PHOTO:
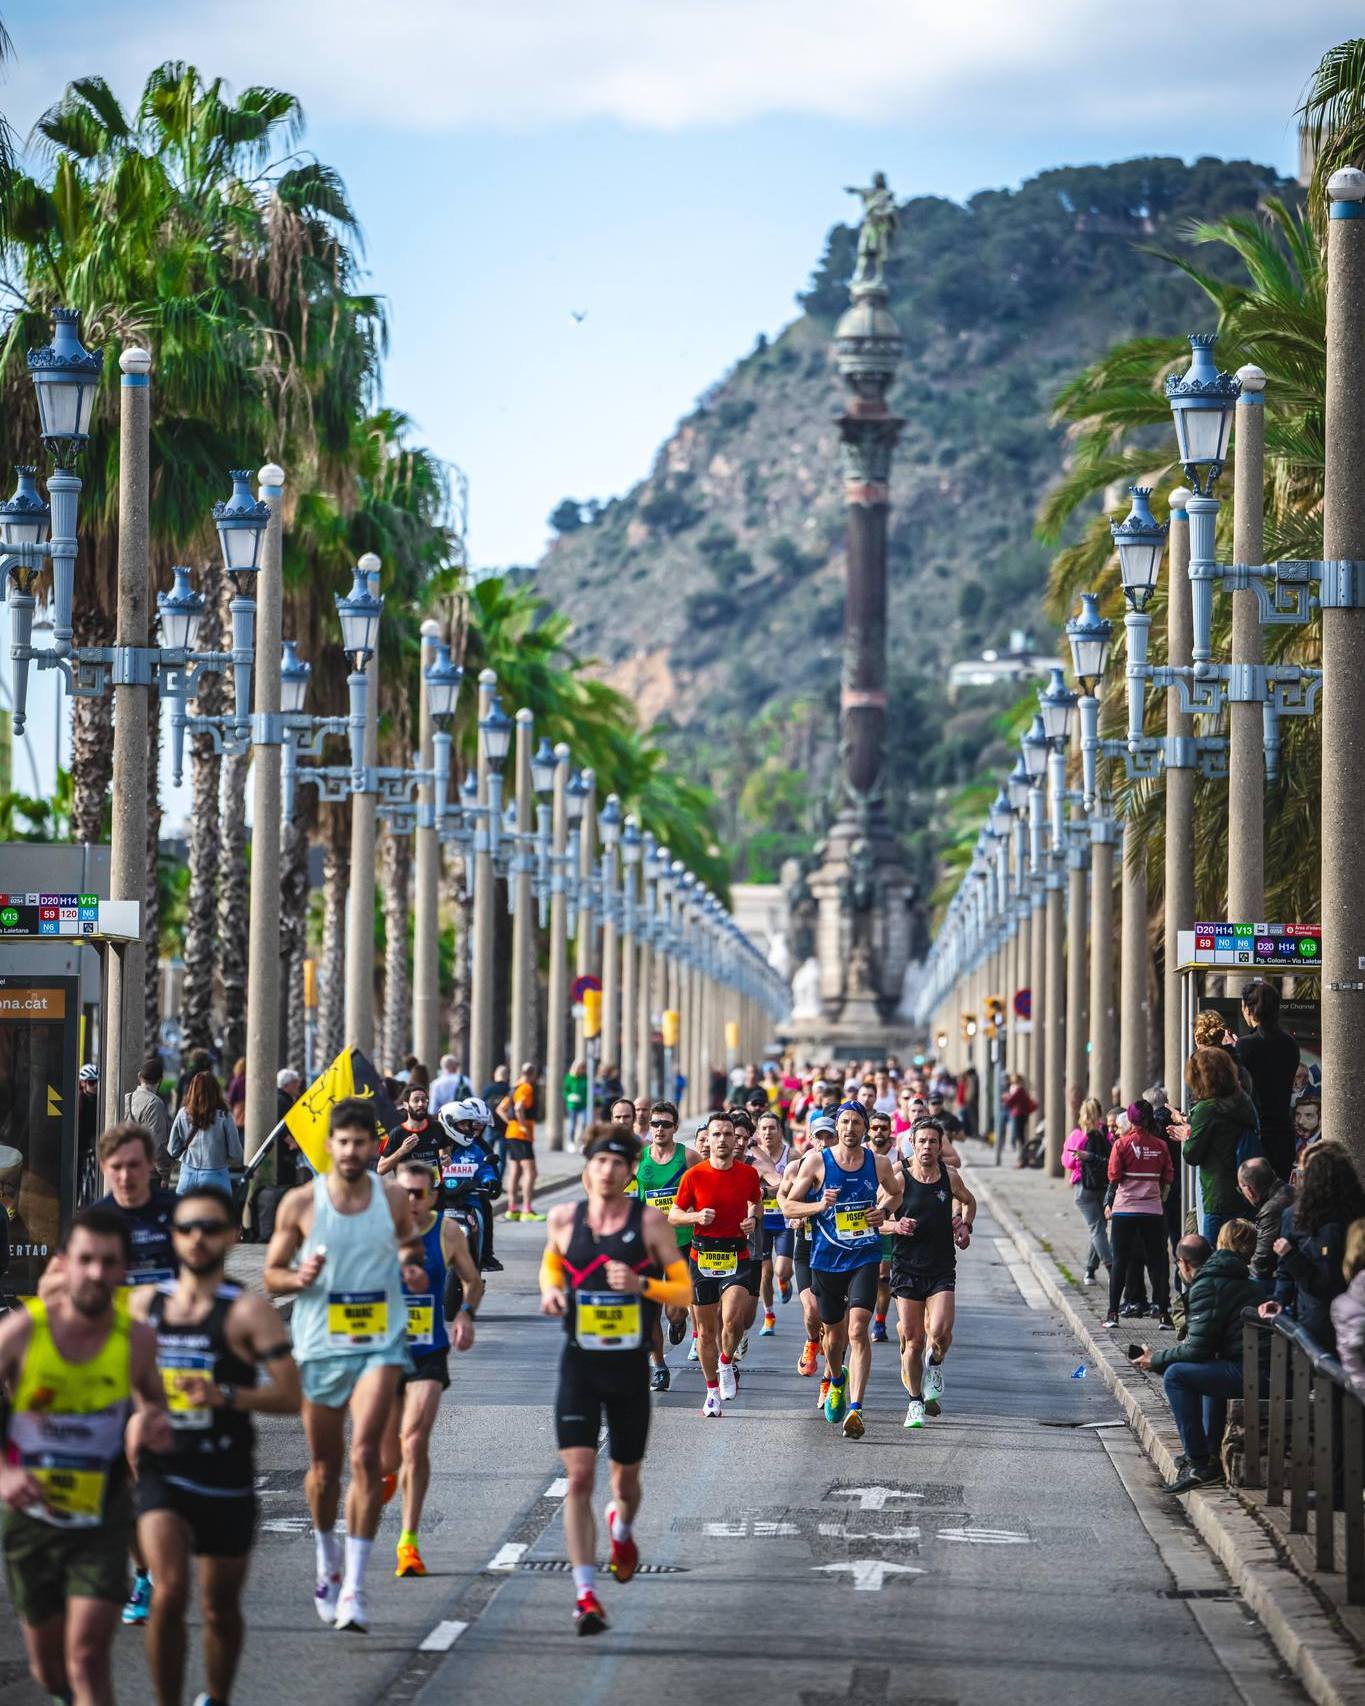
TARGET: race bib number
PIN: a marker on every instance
(633, 1188)
(178, 1368)
(662, 1198)
(421, 1319)
(770, 1206)
(850, 1221)
(356, 1318)
(148, 1276)
(73, 1491)
(607, 1321)
(717, 1264)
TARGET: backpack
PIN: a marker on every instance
(1094, 1163)
(1249, 1145)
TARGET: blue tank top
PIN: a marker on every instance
(355, 1307)
(842, 1239)
(426, 1308)
(773, 1218)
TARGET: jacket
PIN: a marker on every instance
(1079, 1143)
(1309, 1276)
(1218, 1294)
(147, 1108)
(208, 1150)
(1216, 1125)
(1272, 1058)
(575, 1091)
(1269, 1218)
(1348, 1321)
(1139, 1172)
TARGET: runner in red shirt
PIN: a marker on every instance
(720, 1200)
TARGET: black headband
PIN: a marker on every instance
(618, 1146)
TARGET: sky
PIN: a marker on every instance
(670, 168)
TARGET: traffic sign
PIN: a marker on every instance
(581, 985)
(1023, 1003)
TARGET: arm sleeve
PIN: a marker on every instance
(674, 1290)
(551, 1269)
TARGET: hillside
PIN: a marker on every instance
(712, 592)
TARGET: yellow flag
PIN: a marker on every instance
(306, 1121)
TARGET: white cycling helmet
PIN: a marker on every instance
(470, 1110)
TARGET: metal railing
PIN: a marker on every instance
(1302, 1415)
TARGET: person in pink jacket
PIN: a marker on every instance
(1141, 1174)
(1085, 1155)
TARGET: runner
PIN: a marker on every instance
(779, 1241)
(407, 1439)
(928, 1234)
(656, 1180)
(719, 1199)
(821, 1132)
(417, 1139)
(349, 1229)
(747, 1152)
(199, 1497)
(856, 1187)
(600, 1271)
(72, 1364)
(879, 1136)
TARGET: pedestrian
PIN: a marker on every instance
(87, 1107)
(575, 1090)
(207, 1136)
(1348, 1310)
(1271, 1056)
(1269, 1196)
(1223, 1132)
(1307, 1122)
(146, 1106)
(1085, 1155)
(236, 1095)
(1312, 1246)
(450, 1085)
(1140, 1176)
(1018, 1106)
(288, 1083)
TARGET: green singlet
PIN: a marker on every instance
(658, 1185)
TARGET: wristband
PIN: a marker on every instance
(467, 1309)
(229, 1394)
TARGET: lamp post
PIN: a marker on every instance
(426, 958)
(632, 849)
(495, 739)
(1246, 684)
(586, 849)
(1021, 1040)
(1057, 706)
(360, 900)
(557, 1004)
(521, 884)
(1180, 759)
(609, 828)
(1089, 636)
(650, 965)
(1033, 753)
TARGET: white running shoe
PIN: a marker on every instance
(743, 1350)
(352, 1612)
(914, 1413)
(729, 1386)
(693, 1354)
(933, 1388)
(325, 1596)
(712, 1405)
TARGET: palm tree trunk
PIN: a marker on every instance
(92, 738)
(151, 918)
(462, 913)
(395, 888)
(336, 880)
(233, 900)
(293, 938)
(206, 771)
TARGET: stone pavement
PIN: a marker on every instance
(1321, 1638)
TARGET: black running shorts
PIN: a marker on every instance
(918, 1285)
(219, 1527)
(708, 1288)
(592, 1383)
(850, 1288)
(429, 1365)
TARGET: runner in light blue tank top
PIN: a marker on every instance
(354, 1317)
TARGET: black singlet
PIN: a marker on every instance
(599, 1319)
(213, 1447)
(931, 1207)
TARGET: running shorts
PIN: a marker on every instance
(518, 1149)
(801, 1264)
(919, 1284)
(220, 1527)
(778, 1241)
(330, 1380)
(46, 1565)
(592, 1383)
(708, 1288)
(429, 1365)
(836, 1292)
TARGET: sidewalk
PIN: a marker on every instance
(1320, 1638)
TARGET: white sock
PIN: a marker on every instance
(357, 1561)
(620, 1529)
(328, 1549)
(584, 1578)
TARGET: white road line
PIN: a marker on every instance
(507, 1557)
(443, 1637)
(557, 1489)
(1029, 1289)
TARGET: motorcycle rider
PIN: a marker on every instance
(469, 1172)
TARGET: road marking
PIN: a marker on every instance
(507, 1557)
(1029, 1289)
(443, 1637)
(872, 1498)
(869, 1573)
(558, 1489)
(986, 1536)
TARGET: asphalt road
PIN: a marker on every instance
(1013, 1550)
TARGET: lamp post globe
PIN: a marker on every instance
(1089, 635)
(1140, 540)
(180, 611)
(65, 378)
(1203, 402)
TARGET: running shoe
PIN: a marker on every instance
(837, 1403)
(325, 1596)
(352, 1612)
(676, 1331)
(853, 1425)
(659, 1378)
(768, 1328)
(512, 1214)
(625, 1554)
(1167, 1322)
(914, 1413)
(712, 1405)
(784, 1290)
(693, 1354)
(530, 1214)
(743, 1350)
(933, 1389)
(879, 1332)
(729, 1385)
(388, 1486)
(805, 1363)
(824, 1393)
(1087, 1279)
(1111, 1320)
(409, 1562)
(139, 1603)
(588, 1615)
(491, 1265)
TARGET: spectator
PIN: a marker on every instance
(199, 1061)
(1085, 1155)
(1312, 1246)
(575, 1099)
(87, 1107)
(1018, 1106)
(1348, 1310)
(1204, 1369)
(1140, 1175)
(236, 1096)
(1170, 1122)
(1211, 1031)
(1222, 1117)
(519, 1110)
(1263, 1188)
(207, 1136)
(146, 1107)
(451, 1085)
(288, 1083)
(1271, 1056)
(494, 1095)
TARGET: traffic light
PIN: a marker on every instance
(995, 1015)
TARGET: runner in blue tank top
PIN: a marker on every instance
(857, 1189)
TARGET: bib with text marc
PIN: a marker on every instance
(356, 1318)
(421, 1319)
(177, 1369)
(607, 1321)
(718, 1264)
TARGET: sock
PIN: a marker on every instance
(328, 1549)
(724, 1359)
(584, 1578)
(881, 1318)
(408, 1537)
(619, 1530)
(855, 1403)
(713, 1386)
(357, 1561)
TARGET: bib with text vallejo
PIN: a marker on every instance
(718, 1264)
(356, 1318)
(607, 1321)
(177, 1369)
(421, 1319)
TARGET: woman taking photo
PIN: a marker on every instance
(1140, 1175)
(206, 1136)
(1085, 1155)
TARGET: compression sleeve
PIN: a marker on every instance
(551, 1269)
(674, 1290)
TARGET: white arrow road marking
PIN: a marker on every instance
(765, 1530)
(872, 1498)
(560, 1489)
(443, 1637)
(507, 1557)
(726, 1530)
(869, 1573)
(986, 1536)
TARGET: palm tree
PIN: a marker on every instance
(1333, 117)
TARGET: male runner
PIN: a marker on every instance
(417, 1139)
(656, 1181)
(779, 1241)
(821, 1131)
(857, 1187)
(407, 1437)
(349, 1228)
(746, 1152)
(928, 1234)
(880, 1139)
(600, 1271)
(719, 1200)
(72, 1364)
(640, 1125)
(199, 1497)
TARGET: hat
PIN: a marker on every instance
(89, 1072)
(822, 1122)
(1139, 1113)
(852, 1108)
(934, 1096)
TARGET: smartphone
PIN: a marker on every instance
(1134, 1352)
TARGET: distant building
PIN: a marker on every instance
(1019, 663)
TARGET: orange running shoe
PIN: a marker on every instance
(625, 1554)
(409, 1562)
(388, 1487)
(824, 1392)
(588, 1615)
(806, 1361)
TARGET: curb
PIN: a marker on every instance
(1323, 1659)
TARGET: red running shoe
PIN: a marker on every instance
(388, 1486)
(625, 1554)
(588, 1615)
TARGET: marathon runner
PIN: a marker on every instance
(821, 1133)
(771, 1153)
(407, 1439)
(857, 1187)
(719, 1199)
(656, 1181)
(880, 1138)
(928, 1233)
(72, 1365)
(417, 1139)
(601, 1271)
(199, 1497)
(349, 1229)
(747, 1152)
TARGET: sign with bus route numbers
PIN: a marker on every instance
(33, 914)
(1274, 947)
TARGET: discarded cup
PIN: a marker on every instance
(1079, 1372)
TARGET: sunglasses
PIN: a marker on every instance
(186, 1228)
(661, 1125)
(416, 1190)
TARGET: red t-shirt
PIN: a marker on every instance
(729, 1191)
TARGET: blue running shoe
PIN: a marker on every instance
(837, 1403)
(139, 1605)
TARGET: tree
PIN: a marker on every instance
(567, 517)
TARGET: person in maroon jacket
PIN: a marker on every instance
(1141, 1175)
